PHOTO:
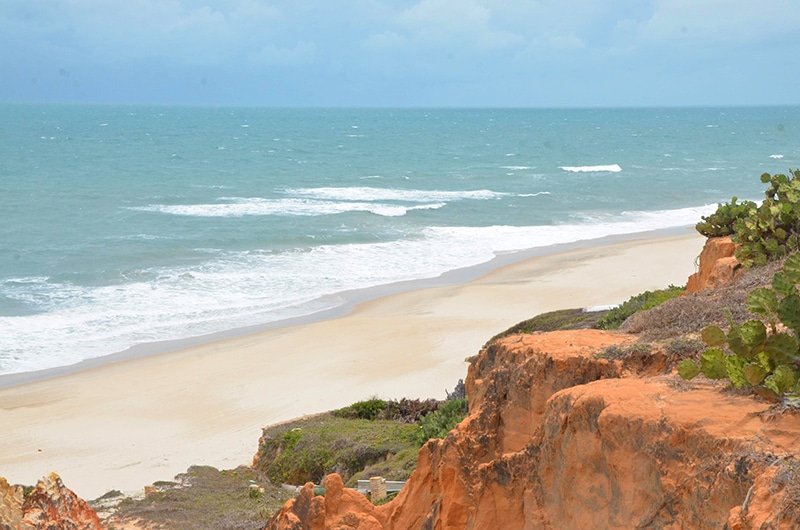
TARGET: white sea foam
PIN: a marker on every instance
(239, 207)
(516, 168)
(776, 156)
(533, 194)
(390, 194)
(613, 168)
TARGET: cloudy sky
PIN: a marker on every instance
(400, 53)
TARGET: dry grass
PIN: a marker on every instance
(788, 480)
(692, 312)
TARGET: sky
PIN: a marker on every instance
(402, 53)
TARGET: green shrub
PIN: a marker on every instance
(405, 410)
(646, 300)
(310, 448)
(440, 422)
(362, 410)
(764, 232)
(721, 222)
(755, 354)
(773, 230)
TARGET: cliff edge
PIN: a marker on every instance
(560, 437)
(50, 506)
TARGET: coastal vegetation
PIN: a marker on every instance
(764, 232)
(614, 318)
(564, 319)
(374, 437)
(753, 354)
(762, 353)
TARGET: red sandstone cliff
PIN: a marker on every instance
(50, 506)
(558, 439)
(717, 265)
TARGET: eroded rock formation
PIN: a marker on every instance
(10, 505)
(50, 506)
(558, 438)
(717, 265)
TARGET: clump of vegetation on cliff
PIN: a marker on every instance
(765, 232)
(757, 353)
(566, 319)
(307, 450)
(404, 410)
(374, 437)
(440, 422)
(641, 302)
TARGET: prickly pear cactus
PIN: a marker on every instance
(763, 354)
(720, 223)
(772, 230)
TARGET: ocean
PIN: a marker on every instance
(128, 225)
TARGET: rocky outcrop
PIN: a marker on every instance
(50, 506)
(717, 265)
(340, 508)
(559, 437)
(10, 505)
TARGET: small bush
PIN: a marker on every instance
(646, 300)
(438, 423)
(721, 222)
(760, 354)
(362, 410)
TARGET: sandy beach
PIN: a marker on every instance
(127, 423)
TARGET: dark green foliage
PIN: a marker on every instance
(721, 222)
(309, 449)
(363, 410)
(773, 229)
(405, 410)
(646, 300)
(764, 232)
(437, 424)
(749, 354)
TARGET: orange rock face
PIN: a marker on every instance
(559, 439)
(50, 506)
(717, 265)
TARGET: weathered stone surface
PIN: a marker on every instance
(50, 506)
(558, 439)
(717, 265)
(340, 508)
(10, 505)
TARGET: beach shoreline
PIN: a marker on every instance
(348, 300)
(144, 415)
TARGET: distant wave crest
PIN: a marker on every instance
(365, 193)
(613, 168)
(287, 207)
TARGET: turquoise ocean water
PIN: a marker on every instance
(127, 225)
